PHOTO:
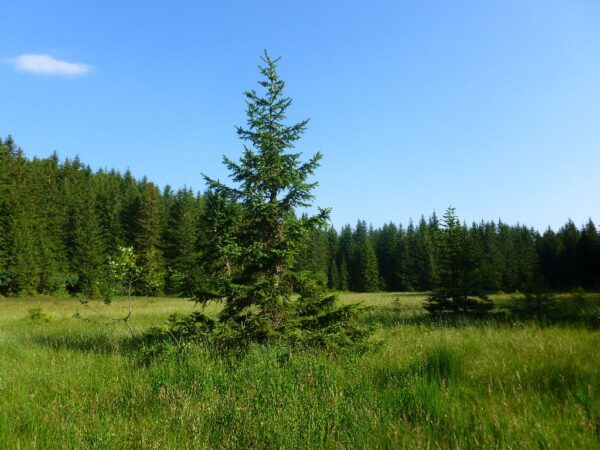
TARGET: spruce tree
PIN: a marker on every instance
(386, 252)
(567, 260)
(216, 245)
(412, 251)
(45, 188)
(588, 253)
(425, 263)
(183, 224)
(491, 261)
(24, 256)
(344, 276)
(401, 261)
(81, 229)
(262, 249)
(333, 274)
(366, 272)
(345, 258)
(109, 210)
(459, 285)
(509, 268)
(549, 248)
(527, 261)
(147, 242)
(130, 197)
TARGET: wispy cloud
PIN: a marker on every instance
(48, 65)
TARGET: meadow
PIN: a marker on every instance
(444, 383)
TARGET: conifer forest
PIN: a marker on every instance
(61, 222)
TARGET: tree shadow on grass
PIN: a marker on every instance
(566, 313)
(394, 317)
(564, 316)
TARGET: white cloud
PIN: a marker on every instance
(48, 65)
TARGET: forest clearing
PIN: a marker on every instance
(406, 257)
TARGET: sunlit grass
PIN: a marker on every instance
(70, 383)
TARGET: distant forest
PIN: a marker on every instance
(60, 222)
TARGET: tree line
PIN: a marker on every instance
(61, 223)
(506, 257)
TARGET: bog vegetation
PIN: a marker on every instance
(462, 382)
(91, 355)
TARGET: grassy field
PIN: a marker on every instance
(70, 383)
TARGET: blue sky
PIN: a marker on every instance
(493, 107)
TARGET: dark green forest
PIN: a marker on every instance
(61, 222)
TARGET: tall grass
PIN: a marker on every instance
(68, 383)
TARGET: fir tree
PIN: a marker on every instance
(548, 248)
(411, 277)
(109, 210)
(491, 258)
(24, 257)
(425, 263)
(344, 274)
(333, 274)
(345, 258)
(182, 255)
(567, 260)
(588, 254)
(81, 229)
(366, 272)
(271, 183)
(314, 257)
(148, 240)
(458, 288)
(216, 246)
(130, 195)
(386, 248)
(402, 266)
(527, 261)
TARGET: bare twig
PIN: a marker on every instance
(108, 320)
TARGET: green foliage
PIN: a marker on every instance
(459, 282)
(442, 365)
(63, 284)
(153, 273)
(217, 246)
(59, 221)
(123, 272)
(124, 268)
(588, 257)
(468, 384)
(38, 314)
(255, 240)
(128, 273)
(81, 227)
(180, 240)
(365, 273)
(147, 243)
(540, 303)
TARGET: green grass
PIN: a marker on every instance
(69, 383)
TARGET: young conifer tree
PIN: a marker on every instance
(458, 285)
(262, 248)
